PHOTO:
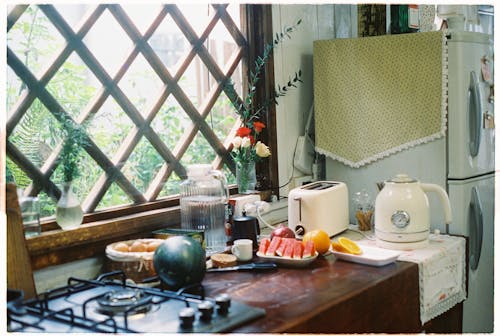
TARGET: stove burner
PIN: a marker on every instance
(124, 300)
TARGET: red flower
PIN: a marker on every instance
(243, 131)
(258, 125)
(252, 139)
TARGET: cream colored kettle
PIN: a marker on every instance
(402, 215)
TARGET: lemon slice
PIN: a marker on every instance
(349, 246)
(339, 248)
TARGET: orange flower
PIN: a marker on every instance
(258, 125)
(243, 131)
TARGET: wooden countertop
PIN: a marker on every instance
(329, 296)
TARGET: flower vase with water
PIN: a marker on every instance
(69, 213)
(246, 178)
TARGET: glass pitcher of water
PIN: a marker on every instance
(204, 195)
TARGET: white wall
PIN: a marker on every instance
(323, 21)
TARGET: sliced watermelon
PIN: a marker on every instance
(289, 250)
(281, 249)
(284, 242)
(273, 246)
(263, 245)
(297, 250)
(309, 249)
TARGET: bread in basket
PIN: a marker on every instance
(136, 261)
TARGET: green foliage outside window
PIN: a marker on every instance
(36, 135)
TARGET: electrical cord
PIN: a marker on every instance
(288, 182)
(259, 216)
(293, 168)
(258, 207)
(293, 171)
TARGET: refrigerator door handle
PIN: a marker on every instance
(475, 229)
(475, 114)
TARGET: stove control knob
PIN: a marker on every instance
(186, 315)
(206, 308)
(223, 303)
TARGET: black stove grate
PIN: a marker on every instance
(76, 307)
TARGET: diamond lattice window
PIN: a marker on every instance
(146, 80)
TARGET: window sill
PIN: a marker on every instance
(58, 247)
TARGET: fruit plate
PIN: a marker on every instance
(373, 256)
(288, 262)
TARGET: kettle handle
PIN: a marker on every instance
(443, 196)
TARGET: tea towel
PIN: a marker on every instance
(442, 273)
(375, 96)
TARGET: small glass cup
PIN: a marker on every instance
(30, 211)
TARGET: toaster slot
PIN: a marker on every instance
(319, 185)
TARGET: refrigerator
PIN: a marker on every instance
(462, 162)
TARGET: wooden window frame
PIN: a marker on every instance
(54, 247)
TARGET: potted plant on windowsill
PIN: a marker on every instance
(69, 213)
(247, 148)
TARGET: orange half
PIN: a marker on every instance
(350, 246)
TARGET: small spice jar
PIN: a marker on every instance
(364, 210)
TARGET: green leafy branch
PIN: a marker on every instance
(282, 90)
(74, 138)
(247, 111)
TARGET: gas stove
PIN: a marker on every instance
(110, 304)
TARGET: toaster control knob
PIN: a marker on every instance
(400, 219)
(300, 230)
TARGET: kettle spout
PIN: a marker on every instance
(380, 185)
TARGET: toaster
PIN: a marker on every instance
(321, 205)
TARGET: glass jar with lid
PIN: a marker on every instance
(203, 201)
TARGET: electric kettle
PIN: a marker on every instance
(402, 215)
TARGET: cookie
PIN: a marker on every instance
(223, 260)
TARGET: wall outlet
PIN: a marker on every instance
(240, 201)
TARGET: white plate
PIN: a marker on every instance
(290, 262)
(373, 256)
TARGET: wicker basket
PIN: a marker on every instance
(136, 265)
